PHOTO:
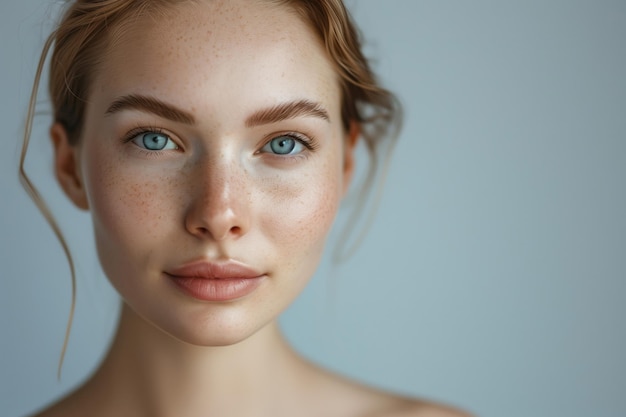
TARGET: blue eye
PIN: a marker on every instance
(154, 141)
(283, 145)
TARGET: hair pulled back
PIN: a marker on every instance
(89, 27)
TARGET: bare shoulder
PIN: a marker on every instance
(404, 407)
(351, 398)
(72, 405)
(63, 408)
(55, 410)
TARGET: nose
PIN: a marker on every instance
(219, 202)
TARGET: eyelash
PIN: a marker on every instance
(309, 142)
(140, 130)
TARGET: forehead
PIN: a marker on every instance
(208, 52)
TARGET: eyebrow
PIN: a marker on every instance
(152, 105)
(285, 111)
(274, 114)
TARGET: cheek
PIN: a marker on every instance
(128, 209)
(301, 213)
(123, 204)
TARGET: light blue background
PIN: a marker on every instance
(494, 276)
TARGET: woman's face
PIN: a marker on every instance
(213, 162)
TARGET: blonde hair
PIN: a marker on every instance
(88, 27)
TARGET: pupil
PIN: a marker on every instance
(154, 141)
(283, 145)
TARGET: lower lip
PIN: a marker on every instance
(217, 289)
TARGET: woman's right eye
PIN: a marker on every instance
(154, 141)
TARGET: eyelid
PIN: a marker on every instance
(308, 141)
(139, 130)
(133, 133)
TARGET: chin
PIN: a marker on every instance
(224, 328)
(215, 339)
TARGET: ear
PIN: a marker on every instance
(66, 166)
(348, 154)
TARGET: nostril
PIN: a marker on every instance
(205, 232)
(209, 221)
(202, 230)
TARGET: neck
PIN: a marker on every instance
(148, 372)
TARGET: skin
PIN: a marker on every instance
(215, 193)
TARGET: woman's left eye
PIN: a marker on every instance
(284, 145)
(154, 141)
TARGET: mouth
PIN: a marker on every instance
(224, 281)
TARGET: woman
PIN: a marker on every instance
(212, 142)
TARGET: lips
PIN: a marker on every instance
(208, 270)
(208, 281)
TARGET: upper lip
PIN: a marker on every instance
(214, 270)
